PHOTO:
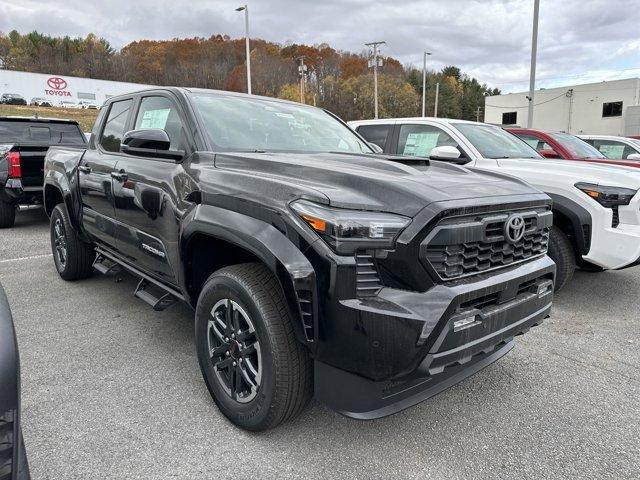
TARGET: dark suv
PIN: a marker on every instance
(312, 263)
(12, 99)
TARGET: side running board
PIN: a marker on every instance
(151, 291)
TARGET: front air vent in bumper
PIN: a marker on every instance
(367, 280)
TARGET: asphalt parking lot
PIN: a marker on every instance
(112, 389)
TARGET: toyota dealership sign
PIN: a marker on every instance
(57, 86)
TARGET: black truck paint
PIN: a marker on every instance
(385, 327)
(13, 459)
(24, 142)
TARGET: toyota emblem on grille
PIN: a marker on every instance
(514, 228)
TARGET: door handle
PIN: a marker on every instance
(121, 176)
(84, 168)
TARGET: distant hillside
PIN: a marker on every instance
(336, 80)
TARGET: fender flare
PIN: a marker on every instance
(580, 219)
(284, 259)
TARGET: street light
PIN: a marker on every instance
(245, 8)
(424, 82)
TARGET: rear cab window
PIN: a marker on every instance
(49, 133)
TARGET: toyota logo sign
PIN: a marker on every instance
(57, 83)
(514, 228)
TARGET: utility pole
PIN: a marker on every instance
(245, 8)
(569, 94)
(374, 45)
(302, 71)
(435, 108)
(424, 82)
(478, 114)
(534, 53)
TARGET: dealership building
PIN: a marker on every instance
(58, 88)
(605, 108)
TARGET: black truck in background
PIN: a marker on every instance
(312, 263)
(24, 141)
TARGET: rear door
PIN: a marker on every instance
(148, 206)
(95, 174)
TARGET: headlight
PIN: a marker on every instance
(607, 196)
(348, 230)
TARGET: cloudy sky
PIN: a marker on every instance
(580, 40)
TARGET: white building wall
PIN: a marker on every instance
(57, 88)
(557, 109)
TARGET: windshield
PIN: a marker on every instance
(250, 124)
(494, 142)
(577, 147)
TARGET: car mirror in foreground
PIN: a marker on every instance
(633, 156)
(549, 154)
(376, 148)
(150, 142)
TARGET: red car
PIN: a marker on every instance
(566, 147)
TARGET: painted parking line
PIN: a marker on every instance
(31, 257)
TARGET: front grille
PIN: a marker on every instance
(463, 246)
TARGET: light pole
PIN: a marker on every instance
(424, 82)
(246, 44)
(534, 52)
(374, 45)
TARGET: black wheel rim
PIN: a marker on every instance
(234, 350)
(60, 243)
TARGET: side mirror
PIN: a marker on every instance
(376, 148)
(633, 156)
(445, 153)
(149, 142)
(549, 154)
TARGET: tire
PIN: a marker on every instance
(561, 252)
(284, 384)
(72, 256)
(7, 214)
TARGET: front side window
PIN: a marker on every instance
(115, 125)
(375, 133)
(494, 142)
(576, 146)
(419, 140)
(612, 109)
(160, 112)
(612, 149)
(534, 142)
(239, 123)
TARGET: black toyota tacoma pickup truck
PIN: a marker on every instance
(312, 263)
(24, 141)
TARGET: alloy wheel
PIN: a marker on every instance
(234, 350)
(60, 243)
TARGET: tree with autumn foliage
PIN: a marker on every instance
(335, 80)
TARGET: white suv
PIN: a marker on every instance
(596, 207)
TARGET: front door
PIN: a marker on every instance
(95, 176)
(148, 207)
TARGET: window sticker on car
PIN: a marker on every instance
(155, 118)
(420, 144)
(612, 151)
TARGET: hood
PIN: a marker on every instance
(540, 172)
(374, 182)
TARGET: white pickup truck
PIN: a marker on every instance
(596, 207)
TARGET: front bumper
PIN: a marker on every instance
(405, 347)
(615, 248)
